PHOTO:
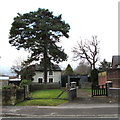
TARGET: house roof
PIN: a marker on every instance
(115, 61)
(39, 67)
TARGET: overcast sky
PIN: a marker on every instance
(85, 17)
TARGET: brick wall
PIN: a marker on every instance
(114, 76)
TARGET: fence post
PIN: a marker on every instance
(67, 86)
(107, 89)
(71, 90)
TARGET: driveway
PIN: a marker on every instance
(84, 97)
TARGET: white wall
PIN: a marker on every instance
(56, 76)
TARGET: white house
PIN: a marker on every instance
(53, 74)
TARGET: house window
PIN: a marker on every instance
(50, 72)
(50, 80)
(40, 80)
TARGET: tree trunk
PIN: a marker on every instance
(45, 69)
(93, 62)
(45, 60)
(93, 66)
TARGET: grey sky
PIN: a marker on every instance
(85, 17)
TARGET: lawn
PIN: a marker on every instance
(42, 102)
(48, 93)
(45, 98)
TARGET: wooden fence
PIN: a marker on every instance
(99, 90)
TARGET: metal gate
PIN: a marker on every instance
(99, 90)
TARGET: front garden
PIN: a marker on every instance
(22, 96)
(47, 97)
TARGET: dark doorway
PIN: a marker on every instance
(77, 80)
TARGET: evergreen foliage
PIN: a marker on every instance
(94, 77)
(27, 72)
(104, 65)
(25, 82)
(68, 70)
(39, 32)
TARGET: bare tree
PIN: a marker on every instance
(83, 68)
(24, 68)
(88, 50)
(18, 65)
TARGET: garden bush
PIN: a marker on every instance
(25, 82)
(10, 86)
(94, 76)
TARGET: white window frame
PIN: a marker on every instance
(49, 73)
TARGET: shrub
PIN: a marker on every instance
(94, 76)
(25, 82)
(10, 86)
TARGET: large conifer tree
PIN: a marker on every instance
(38, 32)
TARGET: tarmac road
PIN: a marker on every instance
(71, 111)
(60, 118)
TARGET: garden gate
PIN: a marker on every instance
(99, 90)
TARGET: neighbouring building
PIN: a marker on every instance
(4, 80)
(116, 61)
(53, 74)
(15, 80)
(81, 80)
(112, 74)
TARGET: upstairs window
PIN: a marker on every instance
(50, 72)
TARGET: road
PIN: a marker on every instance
(60, 119)
(73, 111)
